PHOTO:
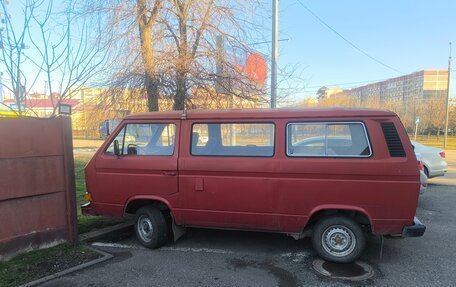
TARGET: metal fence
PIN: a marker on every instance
(37, 184)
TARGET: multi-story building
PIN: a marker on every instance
(420, 85)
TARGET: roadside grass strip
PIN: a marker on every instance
(37, 264)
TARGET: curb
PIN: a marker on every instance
(100, 233)
(106, 256)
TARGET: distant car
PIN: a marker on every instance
(433, 159)
(336, 146)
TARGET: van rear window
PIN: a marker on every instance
(233, 139)
(327, 140)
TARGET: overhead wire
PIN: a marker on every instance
(344, 84)
(346, 40)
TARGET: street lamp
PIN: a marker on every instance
(275, 34)
(447, 101)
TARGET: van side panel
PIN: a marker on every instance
(385, 189)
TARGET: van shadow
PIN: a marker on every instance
(242, 241)
(261, 243)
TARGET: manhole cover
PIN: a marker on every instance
(355, 271)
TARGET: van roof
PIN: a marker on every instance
(264, 113)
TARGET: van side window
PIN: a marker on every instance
(145, 139)
(233, 139)
(327, 140)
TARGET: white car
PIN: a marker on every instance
(433, 159)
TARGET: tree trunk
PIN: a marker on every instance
(183, 60)
(181, 91)
(147, 53)
(151, 85)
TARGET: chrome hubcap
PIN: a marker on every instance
(338, 241)
(145, 229)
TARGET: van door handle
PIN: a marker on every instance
(169, 173)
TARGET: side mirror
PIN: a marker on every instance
(116, 148)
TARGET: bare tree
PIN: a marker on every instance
(176, 56)
(52, 46)
(132, 25)
(433, 108)
(452, 117)
(12, 45)
(339, 99)
(180, 52)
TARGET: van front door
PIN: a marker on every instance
(146, 166)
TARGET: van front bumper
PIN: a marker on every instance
(415, 230)
(87, 209)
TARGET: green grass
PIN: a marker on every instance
(40, 263)
(87, 223)
(435, 141)
(79, 164)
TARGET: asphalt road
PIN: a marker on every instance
(233, 258)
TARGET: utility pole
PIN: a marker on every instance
(275, 36)
(447, 101)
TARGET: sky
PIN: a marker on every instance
(406, 35)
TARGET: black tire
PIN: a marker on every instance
(150, 227)
(329, 232)
(426, 172)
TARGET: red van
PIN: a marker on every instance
(334, 174)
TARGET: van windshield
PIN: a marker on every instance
(145, 139)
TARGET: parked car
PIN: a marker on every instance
(433, 159)
(336, 146)
(279, 170)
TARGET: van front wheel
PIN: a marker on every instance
(338, 239)
(150, 227)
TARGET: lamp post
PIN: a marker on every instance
(275, 34)
(447, 101)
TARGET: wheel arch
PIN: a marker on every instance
(360, 215)
(136, 202)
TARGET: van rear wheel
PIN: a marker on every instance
(150, 227)
(338, 239)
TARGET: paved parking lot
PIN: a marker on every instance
(233, 258)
